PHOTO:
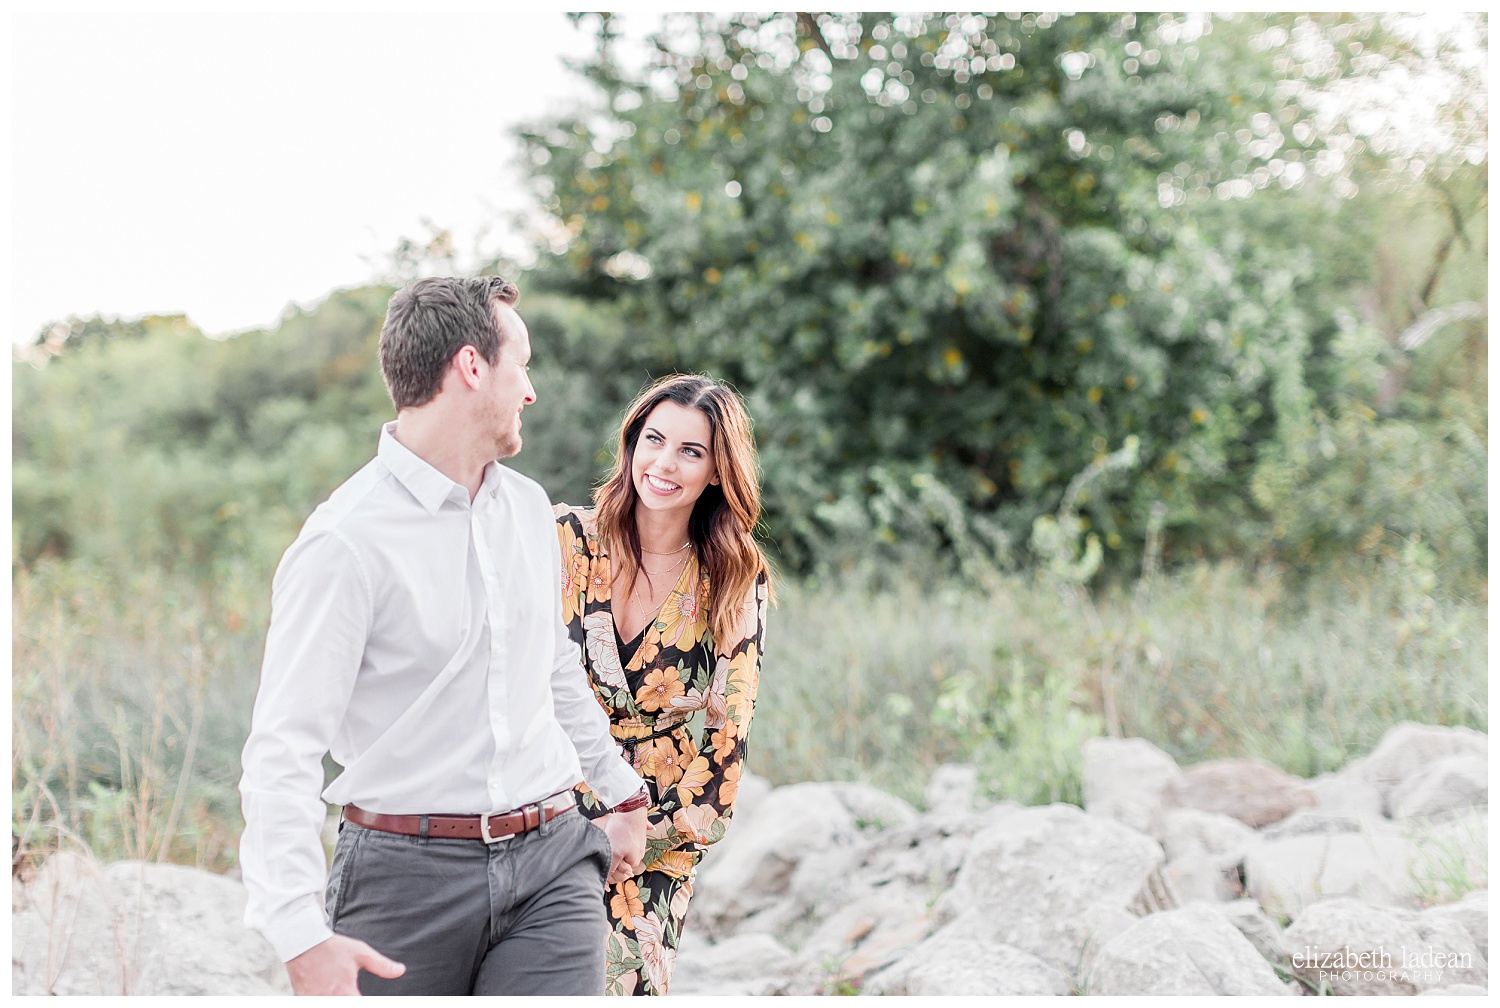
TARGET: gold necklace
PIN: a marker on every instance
(671, 553)
(644, 607)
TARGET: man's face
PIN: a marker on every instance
(508, 386)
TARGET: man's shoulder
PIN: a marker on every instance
(351, 501)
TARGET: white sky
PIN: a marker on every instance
(223, 164)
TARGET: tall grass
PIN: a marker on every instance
(130, 698)
(1216, 661)
(131, 694)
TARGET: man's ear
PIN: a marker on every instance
(468, 363)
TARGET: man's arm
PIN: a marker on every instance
(321, 611)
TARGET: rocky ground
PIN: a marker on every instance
(1219, 878)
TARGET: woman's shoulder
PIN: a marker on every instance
(582, 519)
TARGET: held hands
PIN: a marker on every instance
(627, 836)
(332, 966)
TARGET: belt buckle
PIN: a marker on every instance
(484, 830)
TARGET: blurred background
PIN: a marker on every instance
(1112, 374)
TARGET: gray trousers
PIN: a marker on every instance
(523, 916)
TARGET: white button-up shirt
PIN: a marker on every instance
(418, 638)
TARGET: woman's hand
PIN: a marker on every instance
(627, 837)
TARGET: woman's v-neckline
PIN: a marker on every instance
(648, 631)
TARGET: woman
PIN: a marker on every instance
(665, 590)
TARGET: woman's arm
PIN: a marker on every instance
(706, 792)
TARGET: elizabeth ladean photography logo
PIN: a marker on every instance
(1345, 963)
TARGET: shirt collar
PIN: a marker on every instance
(425, 483)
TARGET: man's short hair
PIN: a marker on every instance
(430, 320)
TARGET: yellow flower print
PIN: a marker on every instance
(729, 786)
(657, 691)
(625, 905)
(598, 575)
(660, 759)
(723, 741)
(684, 617)
(644, 655)
(744, 678)
(575, 568)
(694, 776)
(677, 863)
(694, 821)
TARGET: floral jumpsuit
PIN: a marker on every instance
(673, 673)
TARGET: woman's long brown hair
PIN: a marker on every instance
(724, 516)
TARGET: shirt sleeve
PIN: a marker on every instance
(605, 769)
(321, 612)
(710, 782)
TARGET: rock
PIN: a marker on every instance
(761, 852)
(1472, 914)
(1346, 946)
(1409, 749)
(870, 933)
(1186, 831)
(1316, 820)
(952, 789)
(1204, 852)
(1034, 881)
(1123, 779)
(873, 809)
(137, 928)
(1259, 929)
(1344, 792)
(955, 961)
(753, 790)
(1388, 866)
(1255, 793)
(1192, 950)
(1458, 782)
(1458, 990)
(753, 964)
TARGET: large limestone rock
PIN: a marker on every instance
(750, 964)
(1472, 913)
(954, 961)
(1345, 792)
(1053, 881)
(1389, 866)
(1409, 750)
(952, 789)
(136, 928)
(1124, 779)
(1255, 793)
(1345, 946)
(1457, 782)
(1317, 820)
(1257, 926)
(1204, 853)
(755, 860)
(1192, 950)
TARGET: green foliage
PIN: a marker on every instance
(951, 263)
(884, 684)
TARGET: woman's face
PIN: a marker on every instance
(673, 459)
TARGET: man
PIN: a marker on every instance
(416, 634)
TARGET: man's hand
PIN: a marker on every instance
(627, 835)
(332, 966)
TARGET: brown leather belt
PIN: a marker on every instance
(489, 828)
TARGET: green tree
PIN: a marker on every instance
(945, 261)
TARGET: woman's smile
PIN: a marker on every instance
(661, 486)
